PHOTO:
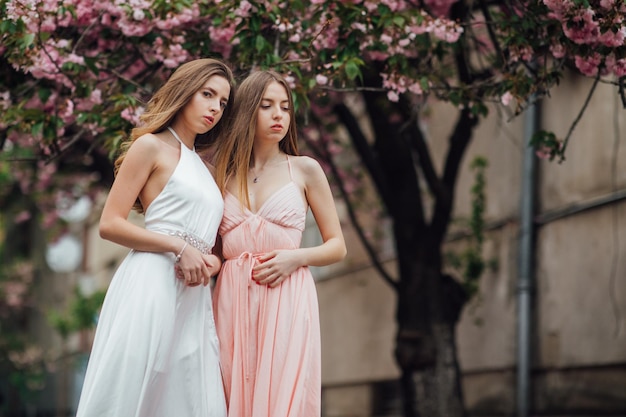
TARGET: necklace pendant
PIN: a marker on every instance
(255, 180)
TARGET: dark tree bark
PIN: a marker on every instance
(429, 302)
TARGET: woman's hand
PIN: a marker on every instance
(191, 267)
(276, 266)
(212, 265)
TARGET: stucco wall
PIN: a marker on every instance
(579, 328)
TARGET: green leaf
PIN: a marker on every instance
(399, 21)
(352, 70)
(260, 43)
(27, 40)
(37, 128)
(44, 94)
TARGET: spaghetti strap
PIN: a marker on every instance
(175, 134)
(289, 164)
(179, 139)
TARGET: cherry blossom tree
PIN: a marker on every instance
(75, 74)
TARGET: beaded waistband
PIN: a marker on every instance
(193, 240)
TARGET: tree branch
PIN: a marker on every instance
(494, 40)
(425, 161)
(459, 140)
(75, 138)
(309, 47)
(580, 115)
(363, 149)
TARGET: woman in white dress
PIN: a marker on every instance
(155, 352)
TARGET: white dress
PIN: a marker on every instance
(156, 352)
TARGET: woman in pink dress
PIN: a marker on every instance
(265, 300)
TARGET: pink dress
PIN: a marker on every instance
(269, 337)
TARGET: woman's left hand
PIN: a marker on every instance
(275, 267)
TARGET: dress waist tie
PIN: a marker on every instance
(248, 260)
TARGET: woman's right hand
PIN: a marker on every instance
(192, 267)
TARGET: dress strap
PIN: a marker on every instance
(178, 138)
(289, 164)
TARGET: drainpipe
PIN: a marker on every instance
(525, 272)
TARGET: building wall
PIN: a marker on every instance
(579, 326)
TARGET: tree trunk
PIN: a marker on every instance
(429, 302)
(426, 345)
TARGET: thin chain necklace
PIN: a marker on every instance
(256, 176)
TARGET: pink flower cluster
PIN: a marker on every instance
(602, 24)
(440, 7)
(400, 41)
(130, 18)
(15, 288)
(398, 84)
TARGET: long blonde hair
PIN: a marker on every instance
(233, 156)
(168, 101)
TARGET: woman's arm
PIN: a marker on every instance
(140, 162)
(141, 166)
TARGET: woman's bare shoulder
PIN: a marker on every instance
(147, 143)
(307, 167)
(305, 164)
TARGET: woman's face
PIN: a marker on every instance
(207, 105)
(273, 116)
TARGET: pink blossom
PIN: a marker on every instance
(5, 100)
(22, 216)
(607, 4)
(506, 98)
(48, 25)
(394, 5)
(45, 173)
(543, 152)
(132, 114)
(386, 39)
(244, 9)
(377, 55)
(558, 50)
(291, 81)
(393, 96)
(138, 14)
(321, 79)
(588, 65)
(440, 8)
(581, 28)
(359, 26)
(617, 67)
(613, 39)
(416, 88)
(446, 31)
(334, 148)
(14, 293)
(49, 219)
(68, 113)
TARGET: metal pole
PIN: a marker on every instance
(525, 272)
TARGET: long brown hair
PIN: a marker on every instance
(168, 101)
(233, 156)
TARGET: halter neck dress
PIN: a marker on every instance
(269, 337)
(156, 352)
